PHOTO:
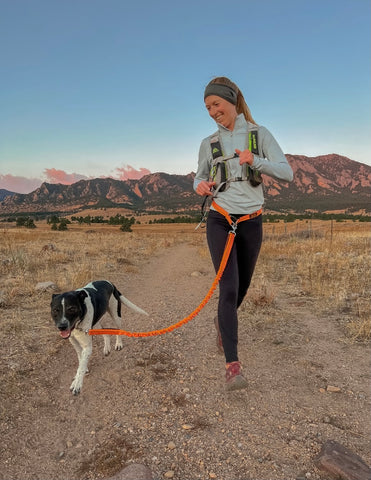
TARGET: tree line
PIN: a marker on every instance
(125, 223)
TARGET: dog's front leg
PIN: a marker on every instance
(85, 343)
(107, 345)
(76, 345)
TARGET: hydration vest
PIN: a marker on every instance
(220, 171)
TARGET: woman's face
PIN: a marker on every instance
(221, 111)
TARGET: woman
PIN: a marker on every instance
(235, 185)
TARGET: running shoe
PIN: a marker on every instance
(233, 377)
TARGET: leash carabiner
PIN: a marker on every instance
(203, 220)
(233, 229)
(204, 211)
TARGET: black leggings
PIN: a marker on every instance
(238, 273)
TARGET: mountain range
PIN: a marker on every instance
(327, 183)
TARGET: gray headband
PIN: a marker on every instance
(222, 91)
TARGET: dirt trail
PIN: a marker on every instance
(161, 400)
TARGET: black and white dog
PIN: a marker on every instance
(75, 313)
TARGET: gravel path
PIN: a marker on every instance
(161, 400)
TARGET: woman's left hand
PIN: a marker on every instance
(245, 156)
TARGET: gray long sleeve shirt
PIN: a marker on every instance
(241, 197)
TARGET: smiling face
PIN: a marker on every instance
(222, 111)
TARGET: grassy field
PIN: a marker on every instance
(330, 260)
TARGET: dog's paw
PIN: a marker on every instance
(107, 345)
(118, 344)
(75, 387)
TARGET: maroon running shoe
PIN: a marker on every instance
(233, 377)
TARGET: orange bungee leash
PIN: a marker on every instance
(223, 263)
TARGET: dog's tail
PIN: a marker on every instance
(131, 305)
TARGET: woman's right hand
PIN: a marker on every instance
(204, 188)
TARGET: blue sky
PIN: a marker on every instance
(92, 88)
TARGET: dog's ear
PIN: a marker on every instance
(53, 297)
(82, 295)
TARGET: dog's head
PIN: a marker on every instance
(67, 310)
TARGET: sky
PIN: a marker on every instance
(111, 88)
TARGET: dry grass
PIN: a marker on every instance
(331, 263)
(72, 258)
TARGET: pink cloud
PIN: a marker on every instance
(52, 175)
(18, 184)
(128, 172)
(60, 176)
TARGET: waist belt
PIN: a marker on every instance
(231, 222)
